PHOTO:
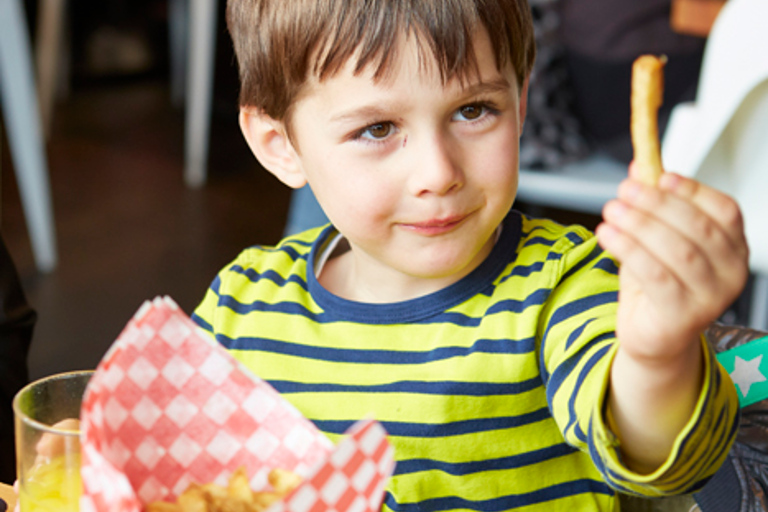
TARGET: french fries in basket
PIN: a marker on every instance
(237, 496)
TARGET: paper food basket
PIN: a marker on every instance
(168, 406)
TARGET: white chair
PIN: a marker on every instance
(582, 186)
(25, 138)
(721, 139)
(192, 41)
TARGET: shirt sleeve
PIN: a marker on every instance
(205, 312)
(578, 343)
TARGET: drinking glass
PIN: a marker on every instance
(47, 413)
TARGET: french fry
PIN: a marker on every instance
(238, 487)
(163, 506)
(283, 481)
(647, 93)
(194, 499)
(237, 496)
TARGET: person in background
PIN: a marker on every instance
(17, 321)
(600, 41)
(514, 362)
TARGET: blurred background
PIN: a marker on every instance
(127, 226)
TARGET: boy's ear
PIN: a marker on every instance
(524, 102)
(271, 145)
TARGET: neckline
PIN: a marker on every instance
(419, 308)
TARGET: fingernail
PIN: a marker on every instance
(631, 189)
(615, 209)
(669, 181)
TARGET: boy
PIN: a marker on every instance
(492, 347)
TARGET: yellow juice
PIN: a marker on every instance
(52, 486)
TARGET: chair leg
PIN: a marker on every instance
(202, 43)
(50, 38)
(758, 314)
(21, 113)
(178, 28)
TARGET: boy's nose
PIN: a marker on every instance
(438, 170)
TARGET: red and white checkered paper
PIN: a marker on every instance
(168, 406)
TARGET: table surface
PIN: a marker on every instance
(7, 494)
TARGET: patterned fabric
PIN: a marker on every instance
(552, 134)
(491, 390)
(167, 406)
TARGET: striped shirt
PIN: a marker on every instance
(491, 390)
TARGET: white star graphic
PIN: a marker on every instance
(746, 373)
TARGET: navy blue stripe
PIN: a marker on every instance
(405, 467)
(523, 270)
(693, 434)
(294, 241)
(344, 355)
(432, 430)
(585, 371)
(577, 333)
(517, 306)
(536, 298)
(525, 234)
(270, 275)
(550, 493)
(202, 323)
(579, 306)
(280, 307)
(593, 254)
(608, 265)
(684, 482)
(284, 248)
(445, 388)
(540, 240)
(703, 462)
(566, 367)
(722, 441)
(574, 238)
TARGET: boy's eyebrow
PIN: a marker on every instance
(365, 112)
(499, 84)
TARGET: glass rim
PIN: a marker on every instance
(24, 417)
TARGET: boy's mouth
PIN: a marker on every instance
(435, 226)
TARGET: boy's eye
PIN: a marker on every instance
(471, 112)
(378, 131)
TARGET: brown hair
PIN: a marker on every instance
(279, 43)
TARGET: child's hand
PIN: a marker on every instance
(684, 260)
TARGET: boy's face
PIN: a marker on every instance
(415, 174)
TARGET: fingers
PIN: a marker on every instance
(641, 244)
(679, 236)
(715, 205)
(718, 207)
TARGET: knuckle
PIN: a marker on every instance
(690, 255)
(658, 274)
(704, 227)
(731, 214)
